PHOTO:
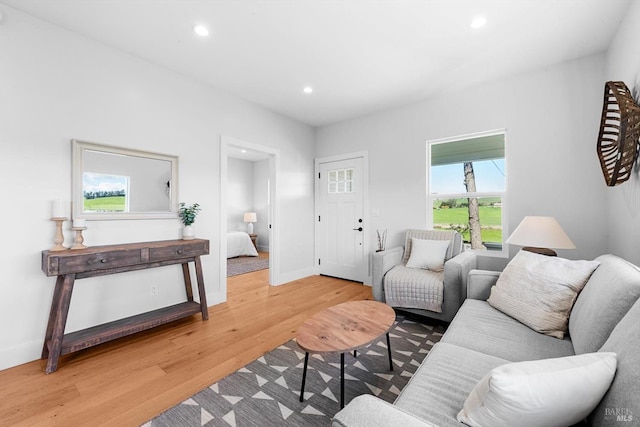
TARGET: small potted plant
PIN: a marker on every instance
(188, 216)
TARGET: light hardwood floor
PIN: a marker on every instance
(128, 381)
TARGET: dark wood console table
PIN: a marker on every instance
(102, 260)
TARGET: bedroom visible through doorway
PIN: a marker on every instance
(248, 173)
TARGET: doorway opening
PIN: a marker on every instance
(248, 208)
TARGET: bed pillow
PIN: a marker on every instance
(428, 254)
(560, 391)
(540, 290)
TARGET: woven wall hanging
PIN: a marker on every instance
(619, 132)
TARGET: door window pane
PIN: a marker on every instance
(340, 181)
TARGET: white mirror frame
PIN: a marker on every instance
(78, 149)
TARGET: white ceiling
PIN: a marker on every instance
(360, 56)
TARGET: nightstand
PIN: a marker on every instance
(254, 237)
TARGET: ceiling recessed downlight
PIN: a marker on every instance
(307, 89)
(201, 30)
(478, 22)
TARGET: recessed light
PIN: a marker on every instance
(201, 30)
(478, 22)
(307, 89)
(243, 151)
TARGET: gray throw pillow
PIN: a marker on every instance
(539, 290)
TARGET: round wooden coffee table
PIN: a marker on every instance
(343, 328)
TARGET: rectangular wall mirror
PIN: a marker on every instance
(119, 183)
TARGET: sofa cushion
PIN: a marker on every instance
(540, 290)
(428, 254)
(438, 389)
(559, 391)
(480, 327)
(610, 292)
(621, 405)
(369, 411)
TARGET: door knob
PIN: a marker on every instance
(357, 229)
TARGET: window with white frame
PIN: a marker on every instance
(467, 188)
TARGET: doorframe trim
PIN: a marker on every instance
(274, 234)
(366, 238)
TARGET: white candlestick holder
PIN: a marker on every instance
(59, 239)
(79, 239)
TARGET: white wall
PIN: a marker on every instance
(56, 86)
(247, 191)
(261, 203)
(239, 193)
(623, 201)
(551, 117)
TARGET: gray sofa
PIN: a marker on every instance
(605, 317)
(452, 282)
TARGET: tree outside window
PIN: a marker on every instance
(467, 188)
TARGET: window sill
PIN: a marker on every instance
(499, 252)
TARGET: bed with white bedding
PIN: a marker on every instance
(239, 244)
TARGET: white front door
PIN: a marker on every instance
(341, 228)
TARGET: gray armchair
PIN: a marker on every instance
(426, 290)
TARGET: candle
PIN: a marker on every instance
(57, 209)
(79, 222)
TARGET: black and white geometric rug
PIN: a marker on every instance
(266, 392)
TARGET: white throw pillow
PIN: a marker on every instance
(428, 254)
(540, 290)
(545, 393)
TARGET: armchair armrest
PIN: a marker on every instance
(369, 411)
(382, 262)
(479, 283)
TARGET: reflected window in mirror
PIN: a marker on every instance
(105, 193)
(118, 183)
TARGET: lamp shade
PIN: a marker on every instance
(250, 217)
(540, 232)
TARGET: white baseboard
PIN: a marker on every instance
(30, 351)
(23, 353)
(215, 298)
(294, 275)
(313, 271)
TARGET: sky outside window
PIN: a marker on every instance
(449, 179)
(96, 182)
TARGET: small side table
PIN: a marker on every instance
(254, 237)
